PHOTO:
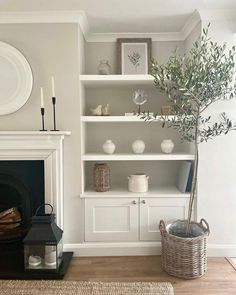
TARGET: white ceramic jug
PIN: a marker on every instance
(138, 183)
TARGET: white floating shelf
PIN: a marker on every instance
(119, 119)
(160, 192)
(136, 157)
(113, 80)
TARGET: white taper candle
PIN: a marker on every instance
(53, 87)
(42, 98)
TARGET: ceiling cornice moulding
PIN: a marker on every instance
(49, 16)
(191, 23)
(111, 37)
(33, 17)
(79, 17)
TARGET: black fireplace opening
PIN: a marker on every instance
(21, 188)
(21, 192)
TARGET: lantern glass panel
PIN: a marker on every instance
(60, 249)
(42, 257)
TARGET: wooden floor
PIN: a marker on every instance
(220, 277)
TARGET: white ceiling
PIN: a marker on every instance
(125, 16)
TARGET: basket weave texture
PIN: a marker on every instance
(184, 257)
(101, 176)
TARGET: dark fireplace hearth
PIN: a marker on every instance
(22, 190)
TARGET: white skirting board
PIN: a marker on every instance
(114, 249)
(139, 249)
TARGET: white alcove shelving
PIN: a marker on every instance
(117, 91)
(119, 215)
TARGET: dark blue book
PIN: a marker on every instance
(190, 179)
(184, 176)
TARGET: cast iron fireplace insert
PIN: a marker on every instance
(22, 187)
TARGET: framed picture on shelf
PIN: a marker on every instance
(134, 56)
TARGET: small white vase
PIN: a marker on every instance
(138, 146)
(167, 146)
(104, 68)
(108, 147)
(138, 183)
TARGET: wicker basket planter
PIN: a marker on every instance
(184, 257)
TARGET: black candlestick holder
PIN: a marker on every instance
(42, 114)
(54, 114)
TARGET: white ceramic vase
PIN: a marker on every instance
(167, 146)
(108, 147)
(138, 183)
(104, 68)
(138, 146)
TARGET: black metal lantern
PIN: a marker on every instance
(43, 247)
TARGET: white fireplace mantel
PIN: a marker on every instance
(37, 145)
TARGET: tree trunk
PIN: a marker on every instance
(194, 180)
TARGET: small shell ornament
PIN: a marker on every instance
(106, 110)
(97, 111)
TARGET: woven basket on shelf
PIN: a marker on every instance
(101, 177)
(184, 257)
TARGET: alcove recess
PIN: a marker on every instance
(117, 91)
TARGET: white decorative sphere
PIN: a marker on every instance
(167, 146)
(108, 147)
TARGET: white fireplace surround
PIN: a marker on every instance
(36, 145)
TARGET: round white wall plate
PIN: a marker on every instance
(16, 79)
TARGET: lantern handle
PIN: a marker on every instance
(43, 205)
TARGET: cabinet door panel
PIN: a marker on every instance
(111, 220)
(156, 209)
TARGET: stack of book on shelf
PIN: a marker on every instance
(184, 176)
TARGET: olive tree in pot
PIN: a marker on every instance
(193, 83)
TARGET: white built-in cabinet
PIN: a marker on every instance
(111, 219)
(152, 210)
(119, 215)
(129, 219)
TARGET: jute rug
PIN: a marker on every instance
(83, 288)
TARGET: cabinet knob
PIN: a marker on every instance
(143, 202)
(134, 202)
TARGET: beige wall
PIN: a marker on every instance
(96, 51)
(217, 166)
(52, 49)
